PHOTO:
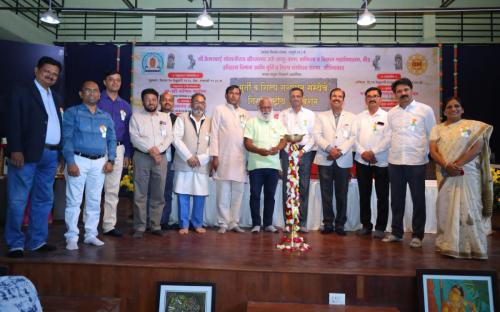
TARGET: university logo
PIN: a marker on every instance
(417, 64)
(152, 63)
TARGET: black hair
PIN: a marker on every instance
(232, 87)
(402, 81)
(148, 91)
(338, 89)
(198, 94)
(296, 89)
(111, 73)
(374, 89)
(44, 60)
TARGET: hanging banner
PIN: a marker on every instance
(273, 71)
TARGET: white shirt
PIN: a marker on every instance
(300, 123)
(226, 142)
(370, 131)
(408, 133)
(189, 182)
(148, 130)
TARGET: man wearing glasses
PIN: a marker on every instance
(371, 162)
(89, 136)
(34, 137)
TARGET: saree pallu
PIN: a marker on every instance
(464, 203)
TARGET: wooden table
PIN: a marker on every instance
(282, 307)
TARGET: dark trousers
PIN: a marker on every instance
(365, 175)
(304, 179)
(400, 175)
(267, 178)
(328, 174)
(169, 185)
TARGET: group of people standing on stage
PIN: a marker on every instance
(178, 153)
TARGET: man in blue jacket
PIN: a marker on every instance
(34, 139)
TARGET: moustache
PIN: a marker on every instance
(404, 96)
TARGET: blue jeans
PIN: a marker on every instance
(183, 201)
(37, 178)
(267, 178)
(169, 185)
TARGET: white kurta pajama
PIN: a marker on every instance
(189, 182)
(228, 124)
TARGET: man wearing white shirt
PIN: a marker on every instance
(151, 136)
(192, 163)
(229, 159)
(334, 135)
(371, 162)
(299, 120)
(409, 125)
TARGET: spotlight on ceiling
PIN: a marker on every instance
(50, 17)
(367, 18)
(204, 19)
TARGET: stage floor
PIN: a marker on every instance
(331, 256)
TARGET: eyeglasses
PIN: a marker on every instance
(90, 91)
(198, 102)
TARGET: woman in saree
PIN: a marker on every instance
(460, 148)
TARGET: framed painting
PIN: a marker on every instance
(457, 290)
(186, 297)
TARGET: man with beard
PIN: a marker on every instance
(299, 120)
(151, 135)
(264, 138)
(34, 135)
(192, 163)
(89, 136)
(120, 112)
(409, 125)
(334, 135)
(229, 159)
(167, 107)
(371, 162)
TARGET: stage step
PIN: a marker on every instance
(79, 304)
(253, 306)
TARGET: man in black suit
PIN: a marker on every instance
(167, 106)
(33, 144)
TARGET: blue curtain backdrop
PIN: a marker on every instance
(90, 62)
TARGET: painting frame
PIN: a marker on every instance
(200, 295)
(465, 288)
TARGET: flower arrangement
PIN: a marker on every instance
(127, 181)
(495, 173)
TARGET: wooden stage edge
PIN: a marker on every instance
(244, 267)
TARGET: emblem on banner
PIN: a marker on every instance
(417, 64)
(152, 63)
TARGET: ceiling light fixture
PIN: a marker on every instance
(367, 18)
(50, 17)
(204, 19)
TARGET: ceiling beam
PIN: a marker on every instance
(363, 4)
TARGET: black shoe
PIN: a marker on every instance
(15, 253)
(164, 226)
(114, 233)
(327, 230)
(45, 248)
(340, 231)
(158, 233)
(363, 231)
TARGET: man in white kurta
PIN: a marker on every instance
(191, 163)
(229, 159)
